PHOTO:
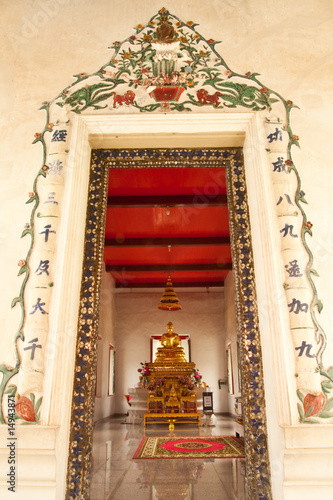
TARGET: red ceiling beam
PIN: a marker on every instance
(169, 268)
(163, 242)
(199, 200)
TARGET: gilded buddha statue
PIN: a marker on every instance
(173, 404)
(171, 350)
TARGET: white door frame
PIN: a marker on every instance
(171, 130)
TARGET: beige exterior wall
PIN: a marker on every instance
(45, 43)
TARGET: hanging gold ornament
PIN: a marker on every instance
(169, 300)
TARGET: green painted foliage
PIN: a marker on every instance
(90, 96)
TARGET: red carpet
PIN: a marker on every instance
(190, 447)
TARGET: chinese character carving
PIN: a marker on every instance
(293, 269)
(50, 198)
(275, 136)
(43, 267)
(47, 232)
(33, 347)
(56, 166)
(288, 229)
(279, 165)
(287, 198)
(297, 306)
(59, 136)
(304, 347)
(39, 306)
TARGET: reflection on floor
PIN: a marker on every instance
(116, 476)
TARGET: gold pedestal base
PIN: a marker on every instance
(171, 422)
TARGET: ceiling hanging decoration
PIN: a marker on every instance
(169, 300)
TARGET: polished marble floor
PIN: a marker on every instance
(117, 476)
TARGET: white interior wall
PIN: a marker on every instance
(201, 317)
(105, 404)
(231, 337)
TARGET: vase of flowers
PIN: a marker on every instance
(165, 94)
(187, 385)
(144, 373)
(155, 387)
(197, 378)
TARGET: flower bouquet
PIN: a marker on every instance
(156, 385)
(197, 378)
(144, 373)
(187, 385)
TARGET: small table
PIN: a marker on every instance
(172, 418)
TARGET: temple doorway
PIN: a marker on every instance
(214, 130)
(171, 236)
(242, 253)
(167, 215)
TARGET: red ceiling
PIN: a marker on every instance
(176, 255)
(162, 181)
(196, 261)
(154, 222)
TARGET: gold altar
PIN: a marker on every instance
(171, 395)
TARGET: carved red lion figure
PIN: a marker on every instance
(205, 98)
(127, 98)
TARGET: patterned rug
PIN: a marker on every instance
(190, 447)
